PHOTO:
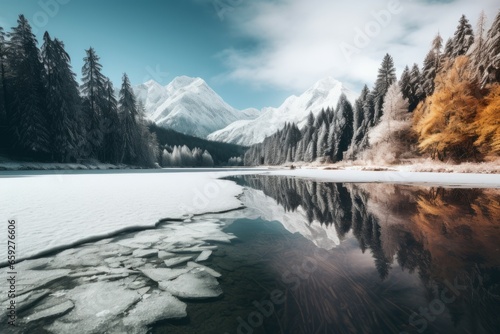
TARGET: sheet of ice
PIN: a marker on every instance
(145, 253)
(205, 255)
(159, 306)
(51, 307)
(61, 210)
(163, 274)
(205, 268)
(193, 285)
(177, 260)
(97, 306)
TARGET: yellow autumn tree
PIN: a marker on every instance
(444, 122)
(488, 123)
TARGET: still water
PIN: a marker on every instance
(368, 258)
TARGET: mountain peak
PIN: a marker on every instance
(184, 81)
(326, 84)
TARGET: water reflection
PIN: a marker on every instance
(436, 252)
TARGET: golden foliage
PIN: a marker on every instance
(488, 123)
(444, 122)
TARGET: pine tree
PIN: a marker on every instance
(416, 93)
(448, 49)
(432, 65)
(112, 144)
(63, 101)
(463, 38)
(386, 77)
(3, 92)
(358, 109)
(322, 144)
(130, 129)
(477, 51)
(93, 91)
(344, 127)
(27, 102)
(491, 62)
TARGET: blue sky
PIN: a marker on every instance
(254, 53)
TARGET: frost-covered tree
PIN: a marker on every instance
(207, 160)
(93, 94)
(27, 107)
(448, 49)
(463, 38)
(63, 102)
(385, 78)
(477, 52)
(491, 62)
(166, 159)
(387, 139)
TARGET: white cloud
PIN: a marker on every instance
(299, 42)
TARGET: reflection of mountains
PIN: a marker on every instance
(432, 230)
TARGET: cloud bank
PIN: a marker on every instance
(297, 42)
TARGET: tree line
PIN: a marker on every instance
(448, 109)
(46, 115)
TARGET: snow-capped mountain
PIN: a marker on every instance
(188, 105)
(325, 93)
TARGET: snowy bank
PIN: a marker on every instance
(399, 177)
(55, 211)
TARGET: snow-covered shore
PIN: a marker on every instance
(57, 210)
(394, 176)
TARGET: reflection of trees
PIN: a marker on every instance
(441, 234)
(449, 226)
(329, 204)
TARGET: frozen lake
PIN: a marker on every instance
(297, 256)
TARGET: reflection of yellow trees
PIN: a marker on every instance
(458, 226)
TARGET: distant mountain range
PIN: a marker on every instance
(190, 106)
